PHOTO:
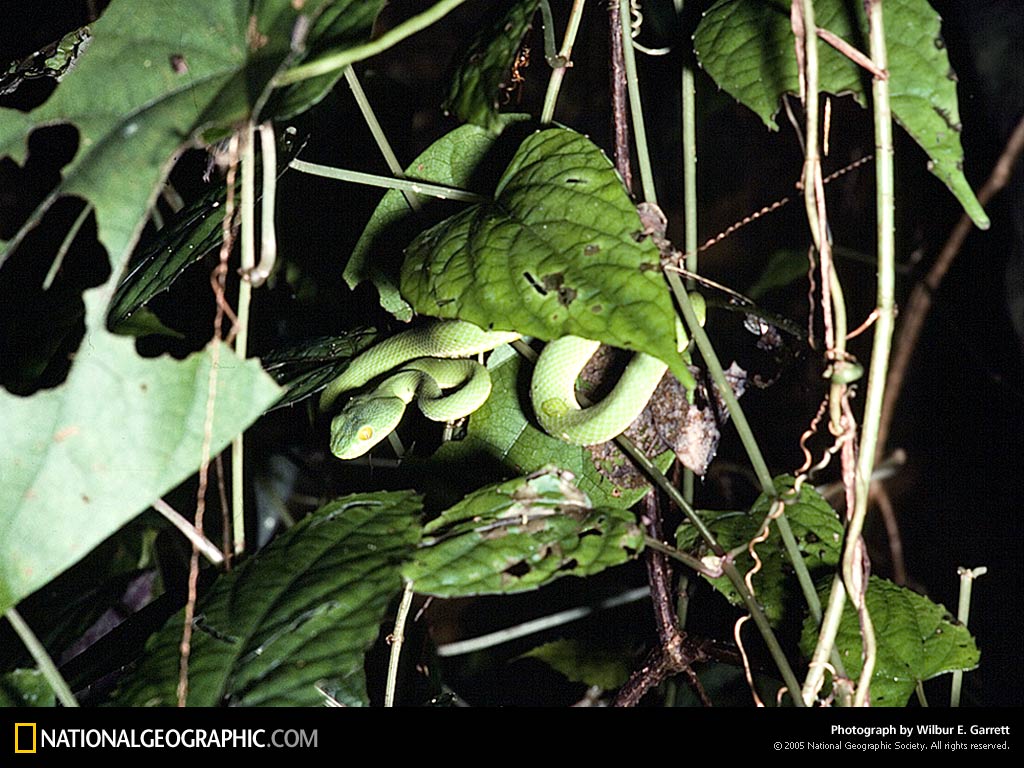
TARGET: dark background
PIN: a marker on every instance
(960, 419)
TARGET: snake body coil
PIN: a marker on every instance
(367, 418)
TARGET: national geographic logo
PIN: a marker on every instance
(25, 738)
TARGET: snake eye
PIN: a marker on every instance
(366, 433)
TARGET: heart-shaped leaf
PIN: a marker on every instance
(917, 640)
(559, 252)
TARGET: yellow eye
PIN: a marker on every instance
(366, 433)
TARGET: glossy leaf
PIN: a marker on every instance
(816, 527)
(747, 47)
(520, 535)
(917, 640)
(308, 367)
(485, 71)
(555, 254)
(298, 616)
(83, 459)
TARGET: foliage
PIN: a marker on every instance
(554, 247)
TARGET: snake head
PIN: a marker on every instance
(363, 423)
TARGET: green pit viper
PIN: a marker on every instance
(432, 360)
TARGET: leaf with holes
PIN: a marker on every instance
(295, 619)
(917, 640)
(747, 47)
(501, 437)
(818, 533)
(83, 459)
(454, 160)
(486, 70)
(520, 535)
(182, 69)
(558, 253)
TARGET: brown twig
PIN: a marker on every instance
(920, 300)
(617, 77)
(218, 279)
(892, 529)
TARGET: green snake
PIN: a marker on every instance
(430, 360)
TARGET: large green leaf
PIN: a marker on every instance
(153, 77)
(84, 458)
(485, 72)
(917, 640)
(816, 527)
(747, 47)
(298, 616)
(520, 535)
(453, 160)
(501, 430)
(555, 254)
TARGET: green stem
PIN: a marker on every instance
(963, 613)
(550, 54)
(561, 63)
(378, 135)
(247, 235)
(655, 474)
(42, 658)
(689, 141)
(397, 641)
(688, 560)
(689, 168)
(636, 109)
(542, 624)
(729, 570)
(707, 352)
(882, 344)
(826, 641)
(337, 61)
(404, 185)
(65, 245)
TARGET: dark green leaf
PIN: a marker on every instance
(298, 616)
(556, 254)
(606, 668)
(84, 458)
(917, 640)
(747, 47)
(307, 368)
(194, 232)
(453, 160)
(815, 526)
(520, 535)
(485, 72)
(783, 268)
(26, 688)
